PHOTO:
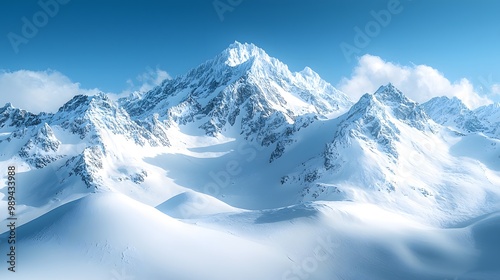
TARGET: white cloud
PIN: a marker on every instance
(38, 91)
(495, 89)
(145, 82)
(418, 82)
(152, 78)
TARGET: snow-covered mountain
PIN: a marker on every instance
(241, 163)
(452, 112)
(242, 91)
(490, 118)
(386, 150)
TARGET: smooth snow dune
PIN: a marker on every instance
(384, 245)
(342, 240)
(191, 204)
(110, 236)
(102, 235)
(486, 235)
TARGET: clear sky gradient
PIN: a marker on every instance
(102, 44)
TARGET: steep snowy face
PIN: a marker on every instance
(27, 135)
(41, 149)
(93, 143)
(104, 130)
(371, 126)
(401, 108)
(385, 150)
(14, 117)
(95, 117)
(490, 118)
(374, 122)
(73, 151)
(241, 91)
(376, 119)
(452, 112)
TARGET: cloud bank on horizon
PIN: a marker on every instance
(38, 91)
(47, 91)
(418, 82)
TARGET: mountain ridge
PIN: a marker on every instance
(241, 163)
(241, 96)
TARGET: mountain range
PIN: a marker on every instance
(242, 164)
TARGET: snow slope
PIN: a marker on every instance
(346, 240)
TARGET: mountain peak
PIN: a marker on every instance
(445, 105)
(386, 103)
(7, 106)
(12, 116)
(238, 53)
(85, 101)
(390, 93)
(308, 72)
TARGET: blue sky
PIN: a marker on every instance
(103, 44)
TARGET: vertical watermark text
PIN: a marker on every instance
(12, 219)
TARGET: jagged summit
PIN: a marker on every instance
(378, 117)
(241, 59)
(98, 115)
(386, 103)
(7, 105)
(238, 53)
(84, 102)
(391, 95)
(11, 116)
(242, 88)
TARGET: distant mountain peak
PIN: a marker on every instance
(6, 106)
(452, 102)
(490, 117)
(493, 106)
(452, 112)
